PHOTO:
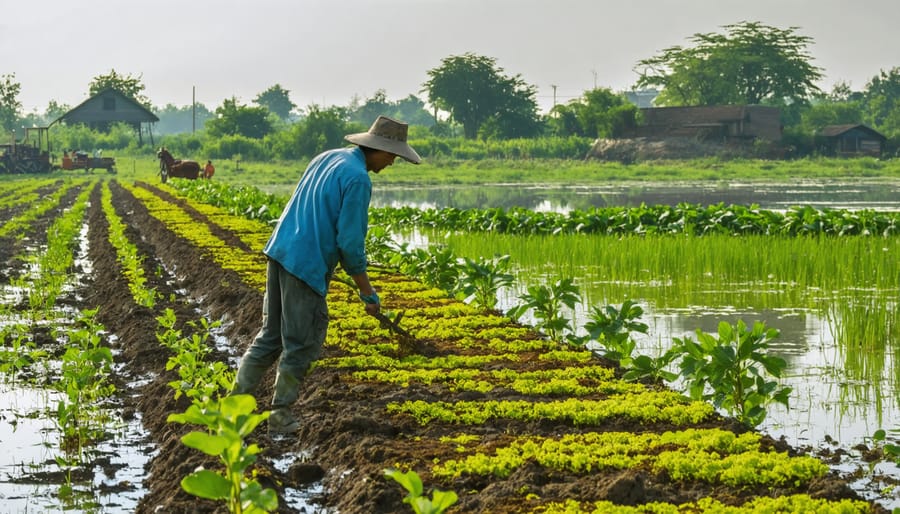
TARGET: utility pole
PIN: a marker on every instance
(193, 109)
(554, 94)
(595, 78)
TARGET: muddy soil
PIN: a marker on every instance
(348, 438)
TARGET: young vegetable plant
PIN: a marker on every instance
(890, 451)
(439, 502)
(481, 279)
(437, 266)
(731, 370)
(547, 304)
(228, 421)
(21, 354)
(612, 329)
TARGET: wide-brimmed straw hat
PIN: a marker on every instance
(389, 135)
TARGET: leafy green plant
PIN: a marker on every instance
(481, 279)
(612, 328)
(547, 304)
(198, 378)
(439, 502)
(21, 354)
(84, 372)
(437, 266)
(380, 246)
(228, 421)
(731, 370)
(653, 369)
(891, 451)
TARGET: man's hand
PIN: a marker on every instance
(373, 303)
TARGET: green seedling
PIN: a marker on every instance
(547, 304)
(612, 329)
(440, 500)
(84, 372)
(891, 451)
(436, 266)
(228, 421)
(481, 279)
(21, 354)
(733, 369)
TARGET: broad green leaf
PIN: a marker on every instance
(209, 444)
(238, 404)
(207, 484)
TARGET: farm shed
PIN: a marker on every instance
(722, 123)
(851, 139)
(111, 106)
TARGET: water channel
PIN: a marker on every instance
(830, 408)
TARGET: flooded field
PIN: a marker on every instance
(877, 195)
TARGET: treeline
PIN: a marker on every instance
(304, 139)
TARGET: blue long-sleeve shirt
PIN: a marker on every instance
(326, 219)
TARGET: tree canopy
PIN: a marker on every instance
(128, 85)
(474, 90)
(751, 63)
(234, 119)
(179, 120)
(10, 106)
(881, 101)
(321, 129)
(409, 110)
(598, 113)
(276, 99)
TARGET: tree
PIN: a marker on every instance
(130, 86)
(276, 99)
(473, 90)
(235, 119)
(54, 110)
(881, 102)
(599, 113)
(177, 120)
(373, 107)
(10, 106)
(751, 63)
(410, 110)
(319, 130)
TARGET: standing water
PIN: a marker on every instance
(842, 393)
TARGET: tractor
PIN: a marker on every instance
(31, 155)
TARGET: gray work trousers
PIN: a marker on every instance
(295, 320)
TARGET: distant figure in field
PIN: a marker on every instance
(209, 170)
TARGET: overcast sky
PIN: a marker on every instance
(326, 52)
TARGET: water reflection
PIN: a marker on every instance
(562, 198)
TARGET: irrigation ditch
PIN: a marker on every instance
(493, 411)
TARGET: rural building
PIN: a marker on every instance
(722, 123)
(849, 140)
(642, 98)
(108, 107)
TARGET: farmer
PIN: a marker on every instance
(324, 223)
(209, 170)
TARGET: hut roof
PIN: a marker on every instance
(110, 106)
(839, 130)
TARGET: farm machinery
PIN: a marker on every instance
(32, 155)
(29, 156)
(83, 161)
